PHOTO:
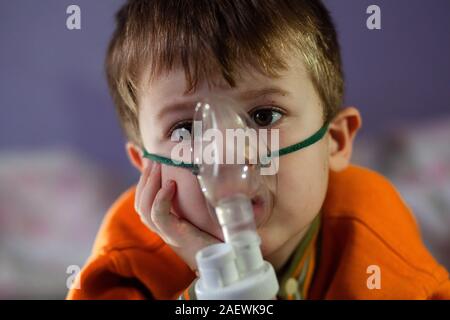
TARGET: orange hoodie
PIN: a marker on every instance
(364, 224)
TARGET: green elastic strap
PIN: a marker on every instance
(168, 161)
(302, 144)
(289, 149)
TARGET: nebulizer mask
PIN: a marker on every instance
(235, 163)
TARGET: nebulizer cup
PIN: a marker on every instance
(229, 173)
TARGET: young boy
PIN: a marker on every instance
(336, 231)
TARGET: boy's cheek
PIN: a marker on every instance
(189, 202)
(302, 185)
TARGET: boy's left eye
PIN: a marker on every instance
(265, 117)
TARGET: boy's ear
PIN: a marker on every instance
(134, 153)
(343, 129)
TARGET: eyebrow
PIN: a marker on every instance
(246, 95)
(178, 106)
(256, 93)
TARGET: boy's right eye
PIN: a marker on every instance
(181, 130)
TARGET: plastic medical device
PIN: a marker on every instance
(230, 179)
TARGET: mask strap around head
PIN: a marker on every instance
(289, 149)
(302, 144)
(168, 161)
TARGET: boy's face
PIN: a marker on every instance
(302, 175)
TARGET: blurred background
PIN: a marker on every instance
(62, 159)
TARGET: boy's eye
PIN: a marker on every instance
(265, 117)
(181, 130)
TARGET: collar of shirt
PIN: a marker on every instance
(295, 277)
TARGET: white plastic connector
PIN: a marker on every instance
(235, 270)
(220, 280)
(217, 266)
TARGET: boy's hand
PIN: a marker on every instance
(153, 202)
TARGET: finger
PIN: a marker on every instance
(160, 213)
(140, 186)
(149, 191)
(185, 238)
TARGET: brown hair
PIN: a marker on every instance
(206, 36)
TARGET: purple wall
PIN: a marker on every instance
(53, 92)
(401, 73)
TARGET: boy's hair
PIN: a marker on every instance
(210, 37)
